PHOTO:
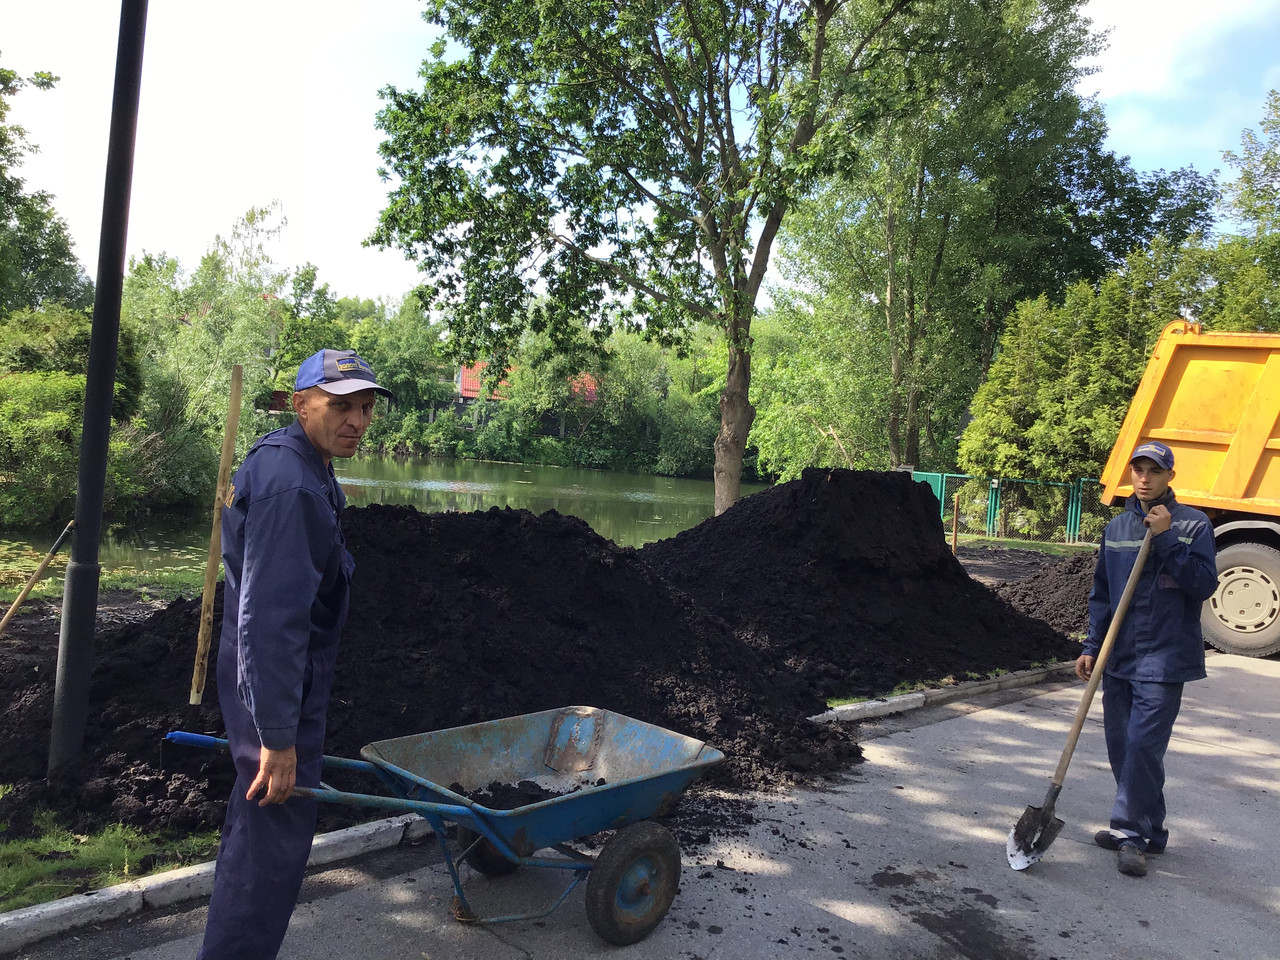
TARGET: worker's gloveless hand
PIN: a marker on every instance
(1158, 520)
(1084, 666)
(277, 774)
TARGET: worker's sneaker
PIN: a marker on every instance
(1109, 841)
(1131, 861)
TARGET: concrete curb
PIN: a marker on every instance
(20, 928)
(882, 706)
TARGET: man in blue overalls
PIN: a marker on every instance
(1158, 649)
(284, 604)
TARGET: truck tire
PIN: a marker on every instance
(1243, 615)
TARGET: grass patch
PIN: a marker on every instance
(158, 584)
(163, 585)
(1040, 546)
(59, 863)
(914, 686)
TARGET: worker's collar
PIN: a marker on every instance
(1144, 506)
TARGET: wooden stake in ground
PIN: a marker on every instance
(215, 539)
(35, 577)
(955, 525)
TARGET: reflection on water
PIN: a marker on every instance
(628, 509)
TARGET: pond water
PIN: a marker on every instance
(628, 509)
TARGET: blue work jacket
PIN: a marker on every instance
(1160, 638)
(285, 598)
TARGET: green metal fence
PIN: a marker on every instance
(1008, 509)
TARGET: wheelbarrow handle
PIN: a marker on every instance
(205, 742)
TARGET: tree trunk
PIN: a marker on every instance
(911, 453)
(736, 417)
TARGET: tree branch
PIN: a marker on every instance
(630, 278)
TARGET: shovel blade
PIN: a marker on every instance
(1031, 836)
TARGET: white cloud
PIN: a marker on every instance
(1158, 47)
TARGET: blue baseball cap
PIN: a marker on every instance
(1154, 450)
(338, 372)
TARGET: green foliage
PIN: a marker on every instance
(405, 348)
(989, 185)
(310, 324)
(1254, 196)
(1057, 393)
(56, 338)
(819, 390)
(37, 265)
(1059, 388)
(686, 425)
(40, 416)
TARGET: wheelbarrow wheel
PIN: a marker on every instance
(485, 857)
(633, 882)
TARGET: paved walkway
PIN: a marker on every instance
(903, 861)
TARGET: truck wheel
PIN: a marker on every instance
(485, 857)
(634, 880)
(1243, 615)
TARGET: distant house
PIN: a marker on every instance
(469, 386)
(584, 388)
(469, 383)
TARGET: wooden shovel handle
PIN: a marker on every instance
(1101, 660)
(35, 577)
(205, 636)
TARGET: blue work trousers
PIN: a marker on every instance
(1138, 718)
(264, 850)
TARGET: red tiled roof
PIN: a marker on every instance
(470, 382)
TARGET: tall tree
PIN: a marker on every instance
(632, 163)
(310, 323)
(989, 185)
(1063, 378)
(37, 263)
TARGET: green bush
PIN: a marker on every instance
(688, 426)
(40, 423)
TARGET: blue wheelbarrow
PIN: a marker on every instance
(600, 770)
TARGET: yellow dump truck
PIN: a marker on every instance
(1214, 398)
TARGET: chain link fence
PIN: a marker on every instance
(999, 508)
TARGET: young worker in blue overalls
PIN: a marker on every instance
(284, 604)
(1158, 649)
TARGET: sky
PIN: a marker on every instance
(249, 104)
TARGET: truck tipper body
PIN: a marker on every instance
(1214, 398)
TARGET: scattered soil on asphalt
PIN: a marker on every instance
(996, 565)
(733, 632)
(1056, 594)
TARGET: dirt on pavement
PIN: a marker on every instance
(734, 632)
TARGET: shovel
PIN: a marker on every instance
(1038, 827)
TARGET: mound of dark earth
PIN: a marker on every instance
(1056, 594)
(845, 579)
(734, 632)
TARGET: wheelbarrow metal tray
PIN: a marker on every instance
(609, 770)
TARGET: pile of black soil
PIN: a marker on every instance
(845, 579)
(1057, 595)
(734, 633)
